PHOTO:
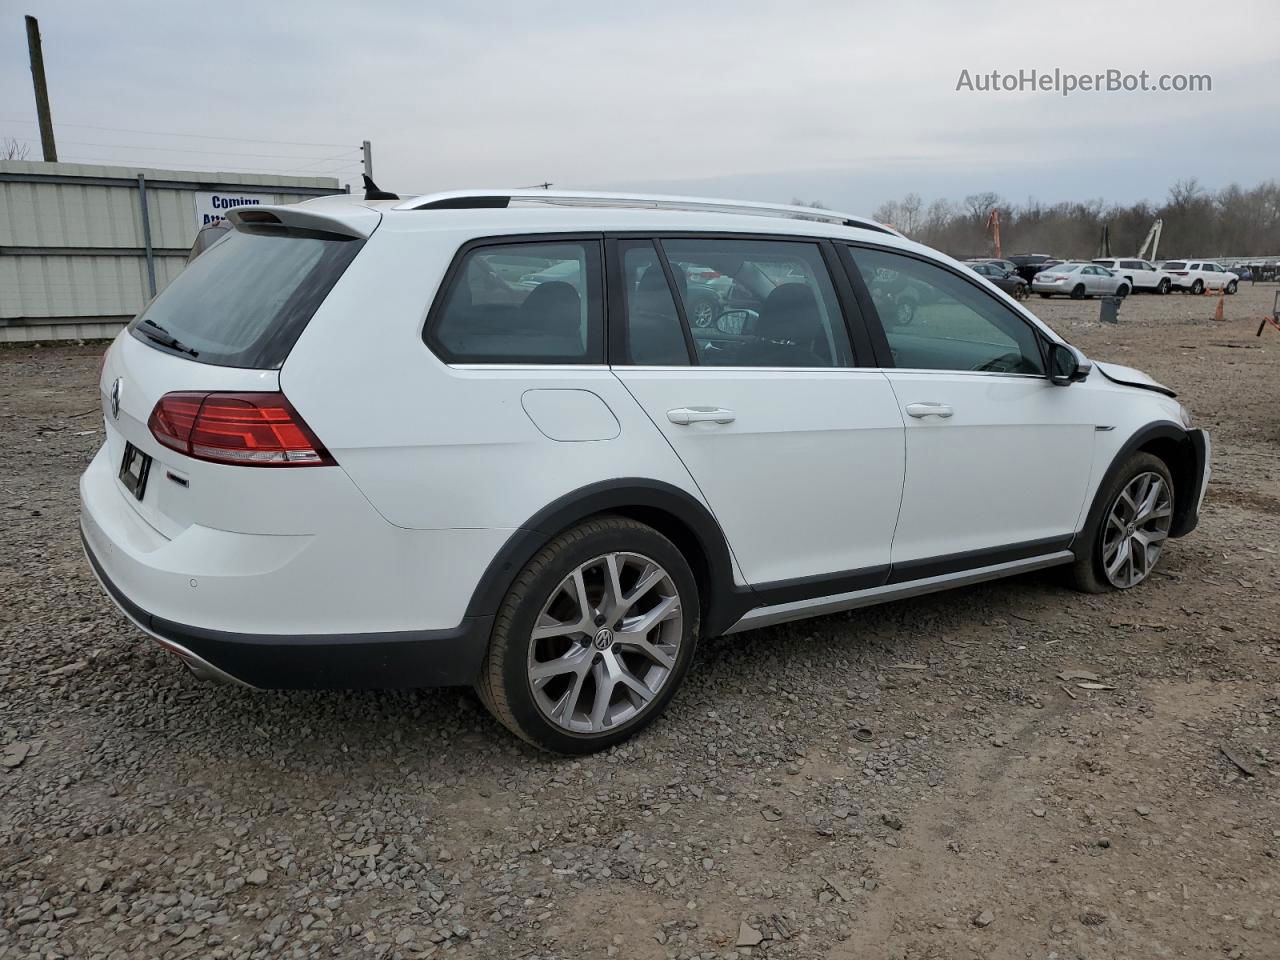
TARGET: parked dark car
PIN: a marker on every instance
(1029, 264)
(1003, 277)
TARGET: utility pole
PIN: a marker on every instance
(42, 91)
(368, 159)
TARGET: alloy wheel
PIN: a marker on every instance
(605, 643)
(1136, 528)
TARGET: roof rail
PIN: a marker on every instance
(475, 199)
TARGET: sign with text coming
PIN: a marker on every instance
(212, 207)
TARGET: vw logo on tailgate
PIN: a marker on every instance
(116, 389)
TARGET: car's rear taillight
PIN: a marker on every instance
(247, 429)
(1178, 273)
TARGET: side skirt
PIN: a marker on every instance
(819, 606)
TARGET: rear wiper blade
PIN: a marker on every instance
(166, 339)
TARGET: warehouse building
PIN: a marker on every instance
(83, 247)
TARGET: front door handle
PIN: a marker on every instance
(920, 410)
(687, 415)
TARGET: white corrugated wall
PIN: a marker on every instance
(94, 213)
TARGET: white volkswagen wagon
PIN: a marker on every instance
(474, 438)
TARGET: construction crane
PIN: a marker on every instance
(993, 227)
(1152, 241)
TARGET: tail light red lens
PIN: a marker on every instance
(247, 429)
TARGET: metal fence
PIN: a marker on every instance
(83, 247)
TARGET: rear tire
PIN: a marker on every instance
(1089, 572)
(1045, 296)
(576, 691)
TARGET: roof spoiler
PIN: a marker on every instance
(349, 220)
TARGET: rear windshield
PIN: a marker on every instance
(245, 301)
(1175, 265)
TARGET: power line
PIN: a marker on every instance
(220, 153)
(171, 133)
(163, 165)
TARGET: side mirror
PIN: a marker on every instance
(1067, 365)
(733, 322)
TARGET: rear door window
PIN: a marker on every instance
(522, 303)
(245, 300)
(758, 303)
(653, 334)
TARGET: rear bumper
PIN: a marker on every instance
(387, 660)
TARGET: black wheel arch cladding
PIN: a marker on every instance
(1172, 444)
(671, 511)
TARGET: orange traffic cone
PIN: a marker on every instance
(1217, 314)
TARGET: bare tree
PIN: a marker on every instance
(13, 149)
(1234, 221)
(980, 205)
(909, 214)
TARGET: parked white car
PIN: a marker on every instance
(1078, 281)
(1195, 276)
(1141, 274)
(348, 447)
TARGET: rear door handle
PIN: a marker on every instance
(920, 410)
(687, 415)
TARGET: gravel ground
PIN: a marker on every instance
(995, 811)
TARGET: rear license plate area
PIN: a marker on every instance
(135, 467)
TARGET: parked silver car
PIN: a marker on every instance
(1079, 280)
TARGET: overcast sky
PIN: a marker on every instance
(850, 103)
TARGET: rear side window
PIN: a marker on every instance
(522, 303)
(244, 301)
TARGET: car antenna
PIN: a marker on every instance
(371, 191)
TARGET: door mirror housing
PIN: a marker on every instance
(1067, 365)
(734, 322)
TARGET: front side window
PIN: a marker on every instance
(936, 320)
(759, 303)
(522, 303)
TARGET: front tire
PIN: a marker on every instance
(1078, 292)
(593, 638)
(1125, 542)
(1164, 286)
(1231, 288)
(1122, 291)
(1198, 287)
